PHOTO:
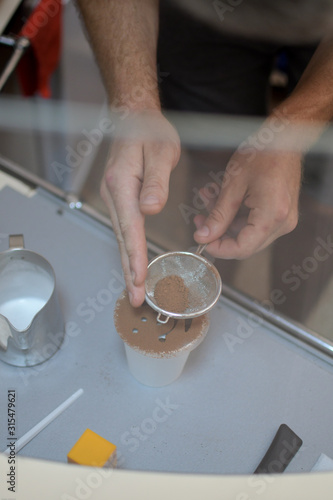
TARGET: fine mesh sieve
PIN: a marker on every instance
(200, 276)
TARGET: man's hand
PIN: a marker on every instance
(266, 186)
(257, 203)
(135, 184)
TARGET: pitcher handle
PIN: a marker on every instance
(16, 241)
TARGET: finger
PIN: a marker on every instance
(132, 233)
(159, 160)
(129, 230)
(136, 292)
(270, 217)
(105, 194)
(209, 195)
(259, 232)
(241, 247)
(221, 215)
(199, 221)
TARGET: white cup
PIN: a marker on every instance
(154, 370)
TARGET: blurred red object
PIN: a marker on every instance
(44, 31)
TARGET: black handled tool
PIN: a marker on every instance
(284, 447)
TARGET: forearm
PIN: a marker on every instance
(310, 106)
(123, 35)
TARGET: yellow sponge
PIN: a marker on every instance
(92, 449)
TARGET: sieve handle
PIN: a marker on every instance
(159, 320)
(201, 248)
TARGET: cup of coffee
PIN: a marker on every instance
(152, 360)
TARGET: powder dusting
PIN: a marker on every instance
(171, 294)
(138, 327)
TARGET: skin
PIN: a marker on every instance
(136, 184)
(257, 203)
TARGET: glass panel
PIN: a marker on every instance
(68, 145)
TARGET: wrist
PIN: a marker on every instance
(135, 100)
(135, 86)
(298, 126)
(141, 94)
(306, 108)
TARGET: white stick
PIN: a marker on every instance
(20, 443)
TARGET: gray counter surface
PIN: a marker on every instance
(220, 416)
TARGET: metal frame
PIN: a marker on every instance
(19, 46)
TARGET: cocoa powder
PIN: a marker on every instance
(138, 327)
(171, 294)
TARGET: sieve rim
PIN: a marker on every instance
(192, 314)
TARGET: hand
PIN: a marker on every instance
(257, 203)
(135, 184)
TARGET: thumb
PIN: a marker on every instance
(219, 219)
(155, 187)
(154, 192)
